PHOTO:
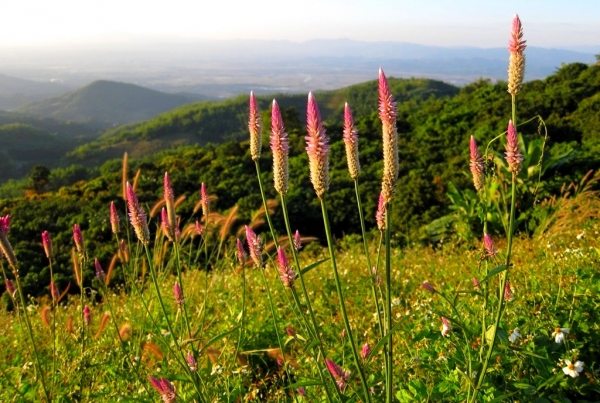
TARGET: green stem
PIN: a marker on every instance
(178, 266)
(338, 285)
(241, 335)
(388, 305)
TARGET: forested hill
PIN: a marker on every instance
(215, 122)
(434, 134)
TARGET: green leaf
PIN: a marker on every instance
(217, 338)
(383, 341)
(304, 383)
(312, 266)
(494, 271)
(520, 350)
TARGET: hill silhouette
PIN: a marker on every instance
(16, 92)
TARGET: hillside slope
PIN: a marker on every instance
(16, 92)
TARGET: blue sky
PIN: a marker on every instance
(481, 23)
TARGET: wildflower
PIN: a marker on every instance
(514, 157)
(476, 283)
(178, 294)
(47, 244)
(87, 315)
(428, 287)
(301, 391)
(476, 166)
(286, 273)
(241, 253)
(99, 272)
(380, 215)
(137, 216)
(10, 287)
(123, 248)
(5, 245)
(280, 148)
(317, 148)
(388, 114)
(255, 128)
(54, 293)
(490, 249)
(343, 333)
(165, 388)
(114, 218)
(516, 61)
(340, 376)
(164, 224)
(290, 332)
(204, 201)
(254, 246)
(377, 276)
(514, 334)
(365, 351)
(446, 327)
(508, 295)
(199, 228)
(297, 241)
(171, 218)
(78, 238)
(351, 143)
(192, 362)
(573, 370)
(559, 334)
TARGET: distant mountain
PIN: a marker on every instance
(216, 122)
(106, 103)
(16, 92)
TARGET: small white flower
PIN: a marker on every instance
(573, 370)
(446, 327)
(580, 236)
(514, 335)
(559, 334)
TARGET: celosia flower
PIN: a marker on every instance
(78, 238)
(428, 287)
(340, 376)
(255, 128)
(54, 292)
(377, 276)
(87, 315)
(114, 218)
(380, 215)
(137, 216)
(508, 295)
(297, 241)
(199, 228)
(514, 157)
(351, 143)
(169, 197)
(178, 294)
(573, 370)
(99, 271)
(5, 245)
(476, 163)
(446, 327)
(280, 148)
(165, 389)
(204, 201)
(254, 246)
(241, 253)
(192, 362)
(47, 244)
(514, 335)
(164, 224)
(365, 351)
(516, 61)
(317, 148)
(290, 331)
(388, 114)
(123, 248)
(490, 249)
(301, 391)
(10, 287)
(559, 334)
(286, 273)
(476, 283)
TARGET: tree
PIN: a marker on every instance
(38, 178)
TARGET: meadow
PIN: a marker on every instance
(198, 315)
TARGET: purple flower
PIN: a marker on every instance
(78, 238)
(476, 163)
(114, 218)
(514, 157)
(490, 249)
(317, 148)
(165, 389)
(137, 216)
(87, 315)
(340, 376)
(5, 245)
(280, 147)
(351, 143)
(428, 287)
(99, 272)
(297, 241)
(388, 113)
(301, 391)
(365, 351)
(380, 215)
(241, 253)
(10, 287)
(178, 293)
(192, 362)
(508, 295)
(204, 201)
(290, 331)
(286, 273)
(255, 128)
(171, 217)
(476, 283)
(47, 244)
(254, 246)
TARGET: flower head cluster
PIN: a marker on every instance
(280, 148)
(514, 157)
(100, 275)
(114, 218)
(78, 238)
(488, 244)
(351, 143)
(165, 389)
(170, 224)
(297, 241)
(87, 315)
(476, 163)
(317, 148)
(178, 294)
(388, 113)
(428, 287)
(446, 327)
(137, 216)
(254, 246)
(286, 273)
(5, 245)
(365, 351)
(10, 287)
(508, 294)
(341, 376)
(516, 61)
(380, 215)
(204, 201)
(47, 244)
(192, 363)
(255, 128)
(241, 253)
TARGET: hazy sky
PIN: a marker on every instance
(484, 23)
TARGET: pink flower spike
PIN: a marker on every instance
(192, 362)
(387, 105)
(114, 218)
(204, 201)
(290, 332)
(388, 113)
(476, 283)
(171, 217)
(301, 391)
(428, 287)
(255, 128)
(380, 215)
(10, 287)
(317, 148)
(178, 294)
(165, 389)
(164, 223)
(54, 292)
(297, 241)
(137, 216)
(99, 271)
(365, 351)
(254, 246)
(286, 273)
(514, 157)
(78, 238)
(340, 376)
(280, 148)
(47, 244)
(241, 253)
(508, 295)
(5, 245)
(516, 44)
(351, 143)
(476, 163)
(490, 249)
(446, 327)
(87, 315)
(199, 228)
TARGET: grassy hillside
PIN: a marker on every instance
(16, 92)
(215, 122)
(107, 103)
